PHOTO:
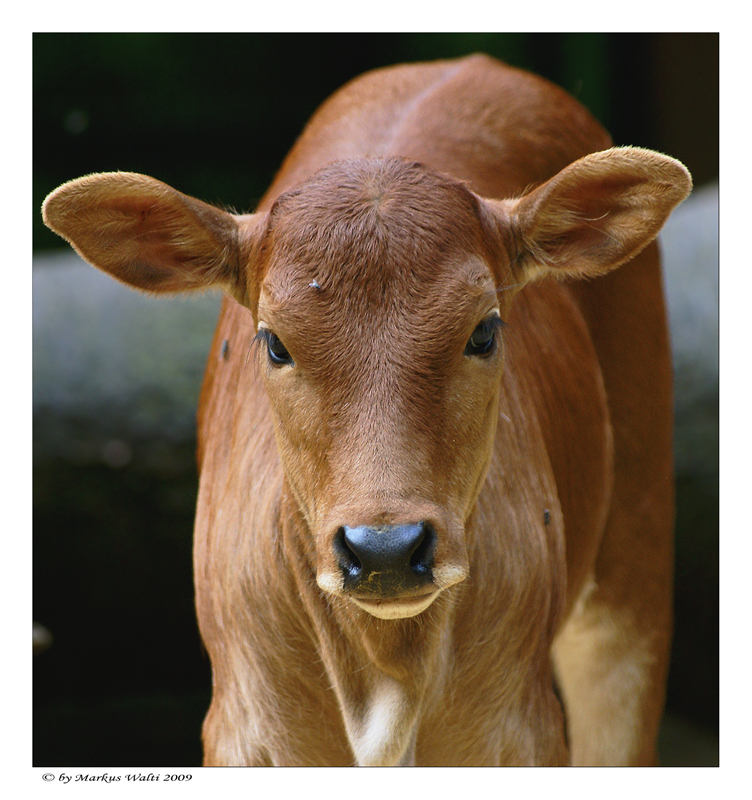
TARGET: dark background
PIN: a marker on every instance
(126, 681)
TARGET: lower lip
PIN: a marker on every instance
(396, 609)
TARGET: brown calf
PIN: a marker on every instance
(434, 521)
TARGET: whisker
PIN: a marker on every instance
(507, 288)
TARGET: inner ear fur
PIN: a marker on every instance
(595, 214)
(147, 234)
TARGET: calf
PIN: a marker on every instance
(434, 521)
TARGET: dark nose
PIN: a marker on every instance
(386, 561)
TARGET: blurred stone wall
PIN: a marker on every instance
(116, 380)
(691, 264)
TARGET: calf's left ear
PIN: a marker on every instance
(595, 214)
(147, 234)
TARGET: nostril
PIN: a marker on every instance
(387, 559)
(347, 556)
(422, 556)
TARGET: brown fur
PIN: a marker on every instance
(419, 200)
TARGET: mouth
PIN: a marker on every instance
(398, 608)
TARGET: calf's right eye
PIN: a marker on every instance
(277, 352)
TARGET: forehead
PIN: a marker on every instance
(376, 231)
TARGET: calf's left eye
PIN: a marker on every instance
(483, 341)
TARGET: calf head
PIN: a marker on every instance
(379, 290)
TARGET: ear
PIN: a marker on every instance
(595, 214)
(147, 234)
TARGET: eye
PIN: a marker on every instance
(483, 341)
(277, 352)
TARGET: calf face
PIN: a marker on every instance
(380, 347)
(379, 290)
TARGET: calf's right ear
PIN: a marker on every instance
(148, 235)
